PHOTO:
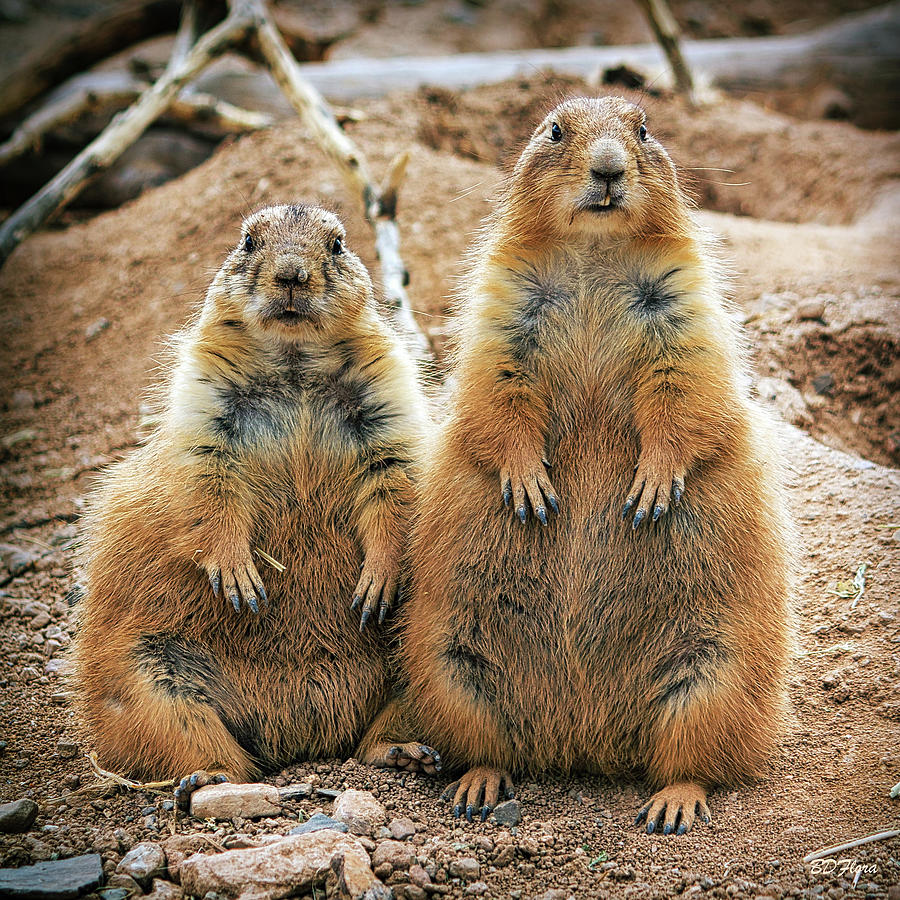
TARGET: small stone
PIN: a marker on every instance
(625, 873)
(58, 879)
(18, 816)
(360, 810)
(468, 868)
(508, 813)
(824, 383)
(414, 892)
(17, 561)
(285, 868)
(41, 620)
(810, 310)
(95, 328)
(402, 828)
(229, 801)
(477, 888)
(124, 881)
(179, 847)
(66, 749)
(554, 894)
(164, 890)
(318, 821)
(418, 876)
(395, 853)
(22, 399)
(295, 791)
(144, 862)
(113, 893)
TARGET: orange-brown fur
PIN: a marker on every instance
(598, 363)
(293, 426)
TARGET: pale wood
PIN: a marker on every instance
(666, 30)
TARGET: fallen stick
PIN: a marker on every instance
(666, 30)
(869, 839)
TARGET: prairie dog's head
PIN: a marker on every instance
(593, 167)
(292, 273)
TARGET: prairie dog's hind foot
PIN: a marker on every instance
(674, 809)
(194, 782)
(408, 757)
(480, 789)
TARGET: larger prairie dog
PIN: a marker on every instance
(645, 627)
(292, 431)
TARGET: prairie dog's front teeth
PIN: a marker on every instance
(605, 201)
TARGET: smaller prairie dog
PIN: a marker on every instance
(292, 431)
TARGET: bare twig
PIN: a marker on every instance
(666, 30)
(830, 851)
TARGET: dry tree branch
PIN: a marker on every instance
(246, 19)
(121, 133)
(666, 30)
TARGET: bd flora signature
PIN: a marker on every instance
(840, 867)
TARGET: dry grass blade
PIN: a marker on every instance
(839, 848)
(280, 567)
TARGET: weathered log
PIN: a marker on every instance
(119, 26)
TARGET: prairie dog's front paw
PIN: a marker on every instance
(376, 588)
(526, 477)
(655, 487)
(236, 578)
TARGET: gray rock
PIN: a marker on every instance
(824, 383)
(143, 862)
(397, 854)
(297, 791)
(16, 560)
(508, 813)
(360, 810)
(113, 893)
(58, 879)
(18, 816)
(317, 822)
(467, 868)
(477, 888)
(402, 828)
(165, 890)
(228, 801)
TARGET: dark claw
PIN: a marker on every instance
(219, 779)
(251, 602)
(521, 513)
(382, 612)
(510, 794)
(626, 507)
(676, 493)
(235, 601)
(638, 518)
(394, 751)
(457, 810)
(657, 512)
(469, 810)
(651, 827)
(485, 812)
(682, 829)
(554, 505)
(216, 581)
(542, 514)
(507, 494)
(706, 820)
(668, 829)
(364, 618)
(354, 603)
(641, 815)
(263, 595)
(192, 781)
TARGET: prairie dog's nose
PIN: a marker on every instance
(608, 160)
(290, 270)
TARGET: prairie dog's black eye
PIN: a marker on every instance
(642, 132)
(555, 133)
(247, 245)
(337, 246)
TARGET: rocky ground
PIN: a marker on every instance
(807, 213)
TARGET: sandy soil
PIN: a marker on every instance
(812, 243)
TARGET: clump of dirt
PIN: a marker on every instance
(733, 156)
